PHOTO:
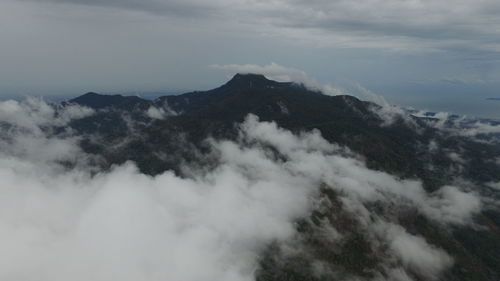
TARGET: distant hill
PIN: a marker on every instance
(98, 101)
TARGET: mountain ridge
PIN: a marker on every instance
(237, 83)
(409, 149)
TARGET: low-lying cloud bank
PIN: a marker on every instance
(483, 130)
(460, 125)
(28, 127)
(70, 224)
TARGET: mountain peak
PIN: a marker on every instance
(250, 80)
(254, 76)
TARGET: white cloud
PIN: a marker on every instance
(494, 185)
(160, 112)
(155, 113)
(480, 128)
(126, 225)
(29, 128)
(460, 125)
(58, 224)
(34, 112)
(452, 205)
(415, 253)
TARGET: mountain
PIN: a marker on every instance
(406, 147)
(341, 119)
(98, 101)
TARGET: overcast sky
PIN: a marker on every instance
(406, 50)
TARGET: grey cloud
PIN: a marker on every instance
(157, 7)
(390, 24)
(120, 50)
